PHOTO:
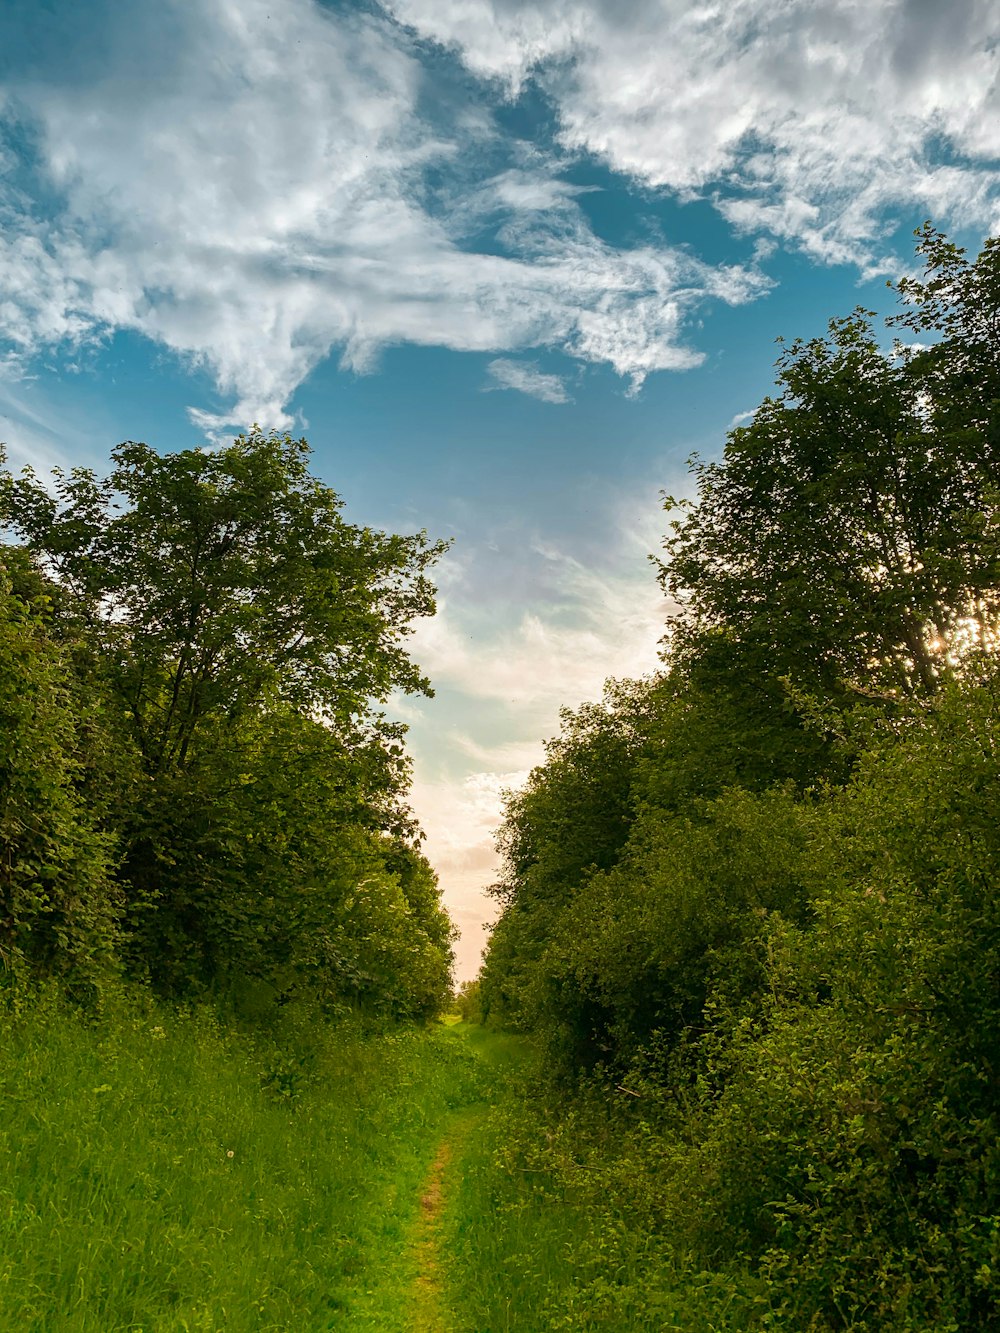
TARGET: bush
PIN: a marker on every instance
(58, 905)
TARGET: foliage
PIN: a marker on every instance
(571, 819)
(58, 904)
(226, 639)
(848, 536)
(818, 1148)
(750, 907)
(843, 1136)
(264, 858)
(217, 580)
(957, 301)
(468, 1001)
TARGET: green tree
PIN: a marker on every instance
(957, 302)
(571, 819)
(850, 1149)
(219, 580)
(575, 810)
(756, 918)
(245, 635)
(848, 536)
(58, 902)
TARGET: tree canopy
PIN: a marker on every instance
(220, 579)
(749, 905)
(846, 537)
(231, 638)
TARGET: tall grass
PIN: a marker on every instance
(160, 1172)
(555, 1224)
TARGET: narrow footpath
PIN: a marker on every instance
(428, 1305)
(428, 1312)
(413, 1287)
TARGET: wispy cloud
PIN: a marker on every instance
(503, 673)
(598, 624)
(813, 123)
(255, 189)
(525, 377)
(36, 436)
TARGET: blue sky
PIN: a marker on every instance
(505, 264)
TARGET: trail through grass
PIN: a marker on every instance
(432, 1305)
(162, 1173)
(426, 1309)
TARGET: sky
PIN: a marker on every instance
(506, 265)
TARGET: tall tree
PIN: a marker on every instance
(218, 580)
(957, 301)
(246, 635)
(849, 535)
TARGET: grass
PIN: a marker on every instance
(552, 1225)
(161, 1172)
(431, 1307)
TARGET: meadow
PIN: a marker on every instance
(163, 1171)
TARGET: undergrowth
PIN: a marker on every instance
(161, 1172)
(556, 1224)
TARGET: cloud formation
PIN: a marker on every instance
(253, 186)
(502, 679)
(585, 626)
(809, 121)
(525, 377)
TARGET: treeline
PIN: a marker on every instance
(754, 902)
(198, 789)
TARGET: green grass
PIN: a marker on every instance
(161, 1172)
(553, 1224)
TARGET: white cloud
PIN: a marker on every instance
(514, 760)
(806, 120)
(519, 195)
(251, 190)
(602, 624)
(503, 678)
(525, 377)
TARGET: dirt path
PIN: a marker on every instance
(428, 1313)
(427, 1259)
